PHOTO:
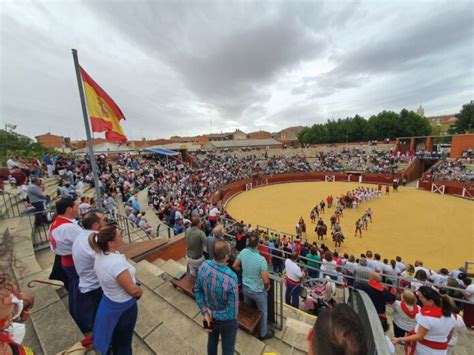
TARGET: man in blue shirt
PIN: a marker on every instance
(49, 164)
(255, 281)
(217, 296)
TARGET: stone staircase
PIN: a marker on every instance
(169, 322)
(165, 314)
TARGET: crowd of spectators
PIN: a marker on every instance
(455, 170)
(360, 159)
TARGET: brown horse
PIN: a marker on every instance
(338, 238)
(321, 231)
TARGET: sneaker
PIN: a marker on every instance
(269, 335)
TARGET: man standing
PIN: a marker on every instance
(90, 292)
(255, 280)
(217, 234)
(214, 214)
(195, 242)
(217, 295)
(49, 165)
(37, 199)
(361, 274)
(314, 262)
(62, 233)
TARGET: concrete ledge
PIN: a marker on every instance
(25, 267)
(164, 340)
(139, 250)
(149, 274)
(55, 328)
(296, 333)
(173, 268)
(184, 303)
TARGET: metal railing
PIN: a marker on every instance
(467, 267)
(361, 303)
(275, 301)
(9, 205)
(132, 231)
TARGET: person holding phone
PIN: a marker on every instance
(217, 296)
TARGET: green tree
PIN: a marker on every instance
(465, 119)
(12, 143)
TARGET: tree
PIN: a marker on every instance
(386, 124)
(12, 143)
(465, 119)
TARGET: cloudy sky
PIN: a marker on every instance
(191, 67)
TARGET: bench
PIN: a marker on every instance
(248, 317)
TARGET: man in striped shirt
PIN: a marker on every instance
(217, 295)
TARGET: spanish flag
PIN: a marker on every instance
(104, 113)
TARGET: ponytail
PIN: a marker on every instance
(93, 240)
(446, 306)
(99, 241)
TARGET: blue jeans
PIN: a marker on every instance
(261, 300)
(313, 274)
(292, 294)
(227, 329)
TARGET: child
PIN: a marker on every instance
(404, 314)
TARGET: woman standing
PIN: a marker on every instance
(434, 326)
(117, 312)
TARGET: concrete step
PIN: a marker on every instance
(175, 310)
(149, 274)
(295, 333)
(173, 268)
(158, 262)
(50, 316)
(183, 261)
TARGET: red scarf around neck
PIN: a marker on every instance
(374, 284)
(432, 311)
(411, 314)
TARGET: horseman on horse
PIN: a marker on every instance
(321, 229)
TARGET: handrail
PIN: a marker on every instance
(364, 307)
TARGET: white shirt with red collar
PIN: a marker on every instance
(62, 233)
(438, 326)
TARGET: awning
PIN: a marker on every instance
(161, 151)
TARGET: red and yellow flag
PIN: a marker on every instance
(104, 113)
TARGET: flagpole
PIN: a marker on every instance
(90, 146)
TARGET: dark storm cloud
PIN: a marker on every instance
(412, 48)
(231, 55)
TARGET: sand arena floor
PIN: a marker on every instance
(411, 223)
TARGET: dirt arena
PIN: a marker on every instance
(411, 223)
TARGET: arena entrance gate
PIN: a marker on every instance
(438, 189)
(248, 186)
(330, 178)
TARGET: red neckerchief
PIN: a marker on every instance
(432, 311)
(5, 337)
(411, 314)
(374, 284)
(60, 220)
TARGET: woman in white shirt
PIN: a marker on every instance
(328, 267)
(117, 312)
(434, 326)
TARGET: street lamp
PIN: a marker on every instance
(9, 127)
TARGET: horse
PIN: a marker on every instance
(338, 238)
(321, 231)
